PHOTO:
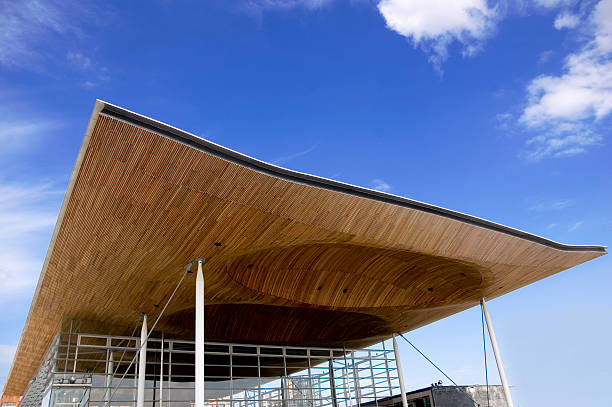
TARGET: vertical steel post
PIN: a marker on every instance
(356, 380)
(500, 366)
(285, 390)
(231, 375)
(332, 380)
(142, 363)
(400, 376)
(161, 374)
(199, 338)
(347, 384)
(387, 369)
(170, 349)
(259, 402)
(76, 353)
(68, 347)
(109, 370)
(373, 377)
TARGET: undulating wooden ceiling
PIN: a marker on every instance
(290, 258)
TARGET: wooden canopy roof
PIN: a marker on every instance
(291, 258)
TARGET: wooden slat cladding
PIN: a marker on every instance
(287, 262)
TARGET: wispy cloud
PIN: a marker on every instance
(79, 60)
(34, 32)
(568, 113)
(27, 212)
(575, 226)
(284, 4)
(7, 352)
(380, 185)
(504, 121)
(15, 133)
(282, 160)
(551, 205)
(545, 56)
(22, 126)
(257, 8)
(24, 25)
(94, 72)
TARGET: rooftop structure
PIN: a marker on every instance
(289, 259)
(447, 396)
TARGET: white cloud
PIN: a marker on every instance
(380, 185)
(22, 24)
(257, 6)
(504, 121)
(566, 20)
(552, 3)
(15, 133)
(7, 352)
(551, 205)
(290, 157)
(291, 3)
(27, 212)
(79, 60)
(20, 126)
(561, 140)
(575, 226)
(94, 72)
(583, 91)
(545, 56)
(33, 31)
(435, 24)
(567, 110)
(602, 18)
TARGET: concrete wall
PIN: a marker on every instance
(468, 396)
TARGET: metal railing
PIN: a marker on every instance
(83, 370)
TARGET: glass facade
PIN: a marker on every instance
(97, 370)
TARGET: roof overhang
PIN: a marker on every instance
(302, 259)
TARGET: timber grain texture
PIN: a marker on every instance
(286, 262)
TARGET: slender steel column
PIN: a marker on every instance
(68, 347)
(387, 369)
(161, 374)
(400, 376)
(332, 381)
(142, 363)
(170, 349)
(347, 382)
(373, 377)
(500, 366)
(199, 342)
(76, 353)
(356, 380)
(109, 371)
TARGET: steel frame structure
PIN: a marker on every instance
(86, 370)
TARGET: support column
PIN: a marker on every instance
(161, 374)
(68, 348)
(400, 376)
(347, 381)
(142, 363)
(199, 340)
(356, 380)
(109, 371)
(500, 366)
(332, 381)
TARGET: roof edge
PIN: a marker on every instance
(320, 182)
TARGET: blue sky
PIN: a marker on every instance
(498, 109)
